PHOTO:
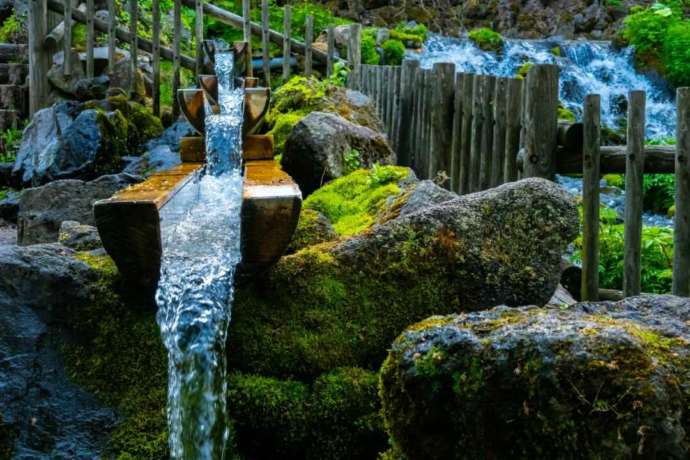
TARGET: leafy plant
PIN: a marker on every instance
(11, 29)
(659, 192)
(10, 140)
(412, 35)
(340, 73)
(393, 52)
(352, 160)
(486, 39)
(369, 53)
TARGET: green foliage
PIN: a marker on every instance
(486, 39)
(393, 52)
(3, 192)
(11, 29)
(675, 53)
(565, 113)
(10, 139)
(353, 161)
(352, 202)
(369, 53)
(615, 180)
(411, 35)
(523, 70)
(659, 192)
(339, 76)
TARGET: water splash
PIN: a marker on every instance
(586, 68)
(200, 229)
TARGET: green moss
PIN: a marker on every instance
(114, 128)
(352, 202)
(142, 124)
(615, 180)
(298, 94)
(523, 70)
(120, 358)
(283, 123)
(414, 36)
(393, 52)
(313, 228)
(566, 114)
(556, 51)
(486, 39)
(370, 54)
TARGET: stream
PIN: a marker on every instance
(200, 231)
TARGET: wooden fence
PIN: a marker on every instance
(13, 91)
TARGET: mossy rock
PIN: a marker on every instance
(486, 39)
(565, 114)
(142, 124)
(7, 437)
(312, 228)
(523, 70)
(592, 381)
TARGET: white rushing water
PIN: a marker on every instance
(200, 230)
(586, 68)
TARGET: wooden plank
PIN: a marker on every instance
(487, 143)
(634, 173)
(442, 118)
(658, 159)
(308, 42)
(266, 57)
(500, 126)
(287, 42)
(67, 42)
(407, 80)
(330, 40)
(57, 35)
(133, 43)
(681, 235)
(356, 51)
(456, 135)
(422, 149)
(39, 58)
(513, 128)
(177, 40)
(10, 52)
(247, 32)
(477, 130)
(156, 41)
(541, 120)
(199, 35)
(590, 197)
(90, 39)
(466, 132)
(112, 36)
(428, 101)
(397, 72)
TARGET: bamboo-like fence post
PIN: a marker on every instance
(156, 43)
(247, 33)
(112, 36)
(67, 40)
(177, 38)
(500, 123)
(591, 174)
(487, 133)
(466, 132)
(355, 52)
(407, 78)
(39, 58)
(634, 173)
(134, 43)
(287, 41)
(265, 26)
(541, 121)
(478, 96)
(456, 136)
(308, 42)
(90, 39)
(442, 118)
(513, 128)
(330, 52)
(199, 36)
(681, 235)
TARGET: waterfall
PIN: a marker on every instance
(586, 68)
(200, 232)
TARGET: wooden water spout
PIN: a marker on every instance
(129, 222)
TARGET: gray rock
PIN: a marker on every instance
(424, 195)
(48, 415)
(172, 136)
(87, 89)
(61, 142)
(79, 237)
(316, 149)
(9, 207)
(42, 210)
(160, 158)
(605, 380)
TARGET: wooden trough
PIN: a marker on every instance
(129, 222)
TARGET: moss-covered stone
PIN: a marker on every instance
(142, 124)
(486, 39)
(313, 228)
(599, 381)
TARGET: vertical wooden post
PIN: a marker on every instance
(330, 54)
(478, 93)
(541, 121)
(513, 128)
(442, 118)
(487, 133)
(112, 26)
(90, 39)
(177, 38)
(39, 58)
(265, 43)
(199, 36)
(422, 151)
(156, 41)
(428, 114)
(591, 175)
(355, 52)
(634, 173)
(134, 43)
(308, 42)
(456, 136)
(466, 132)
(67, 43)
(247, 33)
(499, 140)
(681, 235)
(287, 41)
(407, 79)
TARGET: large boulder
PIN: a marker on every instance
(605, 380)
(42, 210)
(43, 414)
(79, 237)
(322, 146)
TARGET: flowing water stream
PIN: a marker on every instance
(586, 68)
(200, 230)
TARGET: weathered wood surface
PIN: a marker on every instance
(308, 42)
(330, 50)
(111, 30)
(199, 36)
(498, 154)
(442, 119)
(265, 43)
(513, 128)
(39, 57)
(13, 74)
(90, 39)
(134, 43)
(478, 98)
(658, 159)
(156, 55)
(407, 81)
(10, 52)
(60, 31)
(456, 135)
(634, 174)
(590, 197)
(570, 135)
(466, 132)
(487, 133)
(177, 57)
(247, 31)
(355, 51)
(681, 235)
(540, 120)
(287, 41)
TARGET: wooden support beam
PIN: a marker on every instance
(39, 57)
(487, 143)
(156, 42)
(355, 51)
(90, 39)
(590, 197)
(500, 128)
(112, 36)
(464, 185)
(541, 120)
(265, 28)
(199, 36)
(247, 32)
(634, 173)
(133, 44)
(442, 118)
(513, 128)
(287, 41)
(681, 234)
(177, 56)
(478, 95)
(330, 59)
(67, 34)
(658, 159)
(59, 32)
(409, 70)
(308, 42)
(12, 52)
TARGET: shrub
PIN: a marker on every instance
(412, 35)
(659, 192)
(393, 52)
(486, 39)
(675, 53)
(369, 53)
